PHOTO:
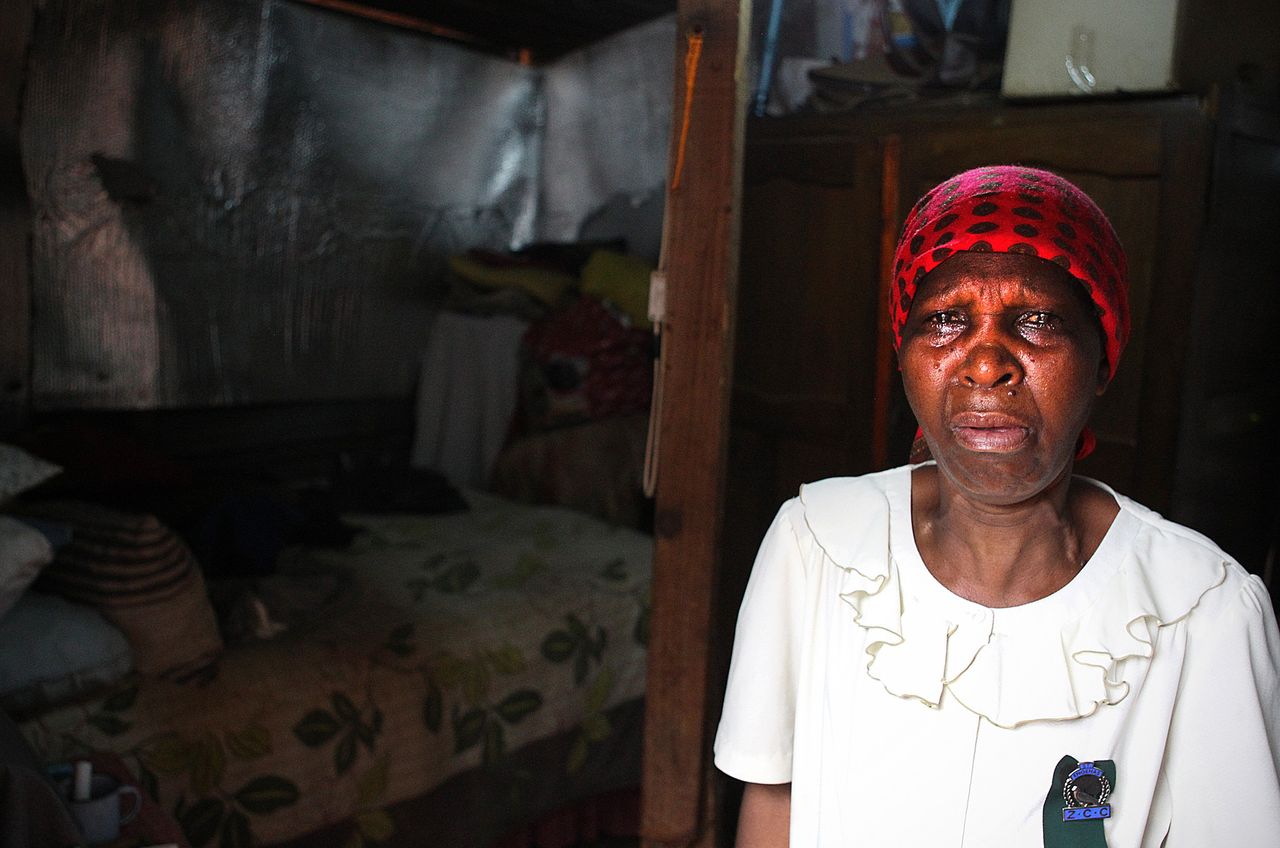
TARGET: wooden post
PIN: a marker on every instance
(891, 160)
(404, 21)
(16, 20)
(702, 258)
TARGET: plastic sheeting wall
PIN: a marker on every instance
(609, 118)
(250, 201)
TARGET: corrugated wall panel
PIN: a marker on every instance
(247, 202)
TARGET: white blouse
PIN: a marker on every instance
(903, 714)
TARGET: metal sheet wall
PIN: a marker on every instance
(609, 120)
(248, 201)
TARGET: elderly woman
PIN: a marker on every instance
(983, 649)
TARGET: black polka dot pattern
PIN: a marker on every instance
(944, 222)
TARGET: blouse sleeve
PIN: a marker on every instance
(754, 741)
(1223, 757)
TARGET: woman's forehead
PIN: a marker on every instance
(1000, 275)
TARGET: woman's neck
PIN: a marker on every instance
(1007, 555)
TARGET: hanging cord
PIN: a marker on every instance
(691, 57)
(658, 280)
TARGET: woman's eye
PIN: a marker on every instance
(1039, 320)
(945, 320)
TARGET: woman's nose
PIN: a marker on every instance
(991, 365)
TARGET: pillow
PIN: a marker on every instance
(596, 468)
(143, 579)
(621, 280)
(24, 550)
(20, 471)
(53, 651)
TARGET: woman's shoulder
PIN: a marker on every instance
(1161, 538)
(1226, 611)
(1165, 551)
(845, 518)
(842, 494)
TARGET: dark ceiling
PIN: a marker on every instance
(533, 30)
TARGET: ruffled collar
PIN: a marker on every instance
(1058, 658)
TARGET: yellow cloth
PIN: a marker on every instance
(541, 283)
(622, 280)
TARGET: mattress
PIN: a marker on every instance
(434, 650)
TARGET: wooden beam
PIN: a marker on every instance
(404, 21)
(891, 160)
(701, 266)
(16, 21)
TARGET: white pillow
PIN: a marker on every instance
(52, 651)
(20, 471)
(24, 550)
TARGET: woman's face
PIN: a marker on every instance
(1002, 361)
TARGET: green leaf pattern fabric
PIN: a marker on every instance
(455, 641)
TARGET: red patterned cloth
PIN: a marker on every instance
(591, 365)
(1014, 209)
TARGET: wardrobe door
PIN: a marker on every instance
(805, 338)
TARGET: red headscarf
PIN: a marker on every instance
(1012, 209)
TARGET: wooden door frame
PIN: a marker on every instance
(701, 252)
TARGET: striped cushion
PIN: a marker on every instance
(143, 579)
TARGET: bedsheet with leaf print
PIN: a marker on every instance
(449, 643)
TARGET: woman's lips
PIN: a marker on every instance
(990, 432)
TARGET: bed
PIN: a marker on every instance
(426, 662)
(445, 676)
(442, 678)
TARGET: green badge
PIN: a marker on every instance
(1078, 803)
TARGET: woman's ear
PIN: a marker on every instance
(1104, 376)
